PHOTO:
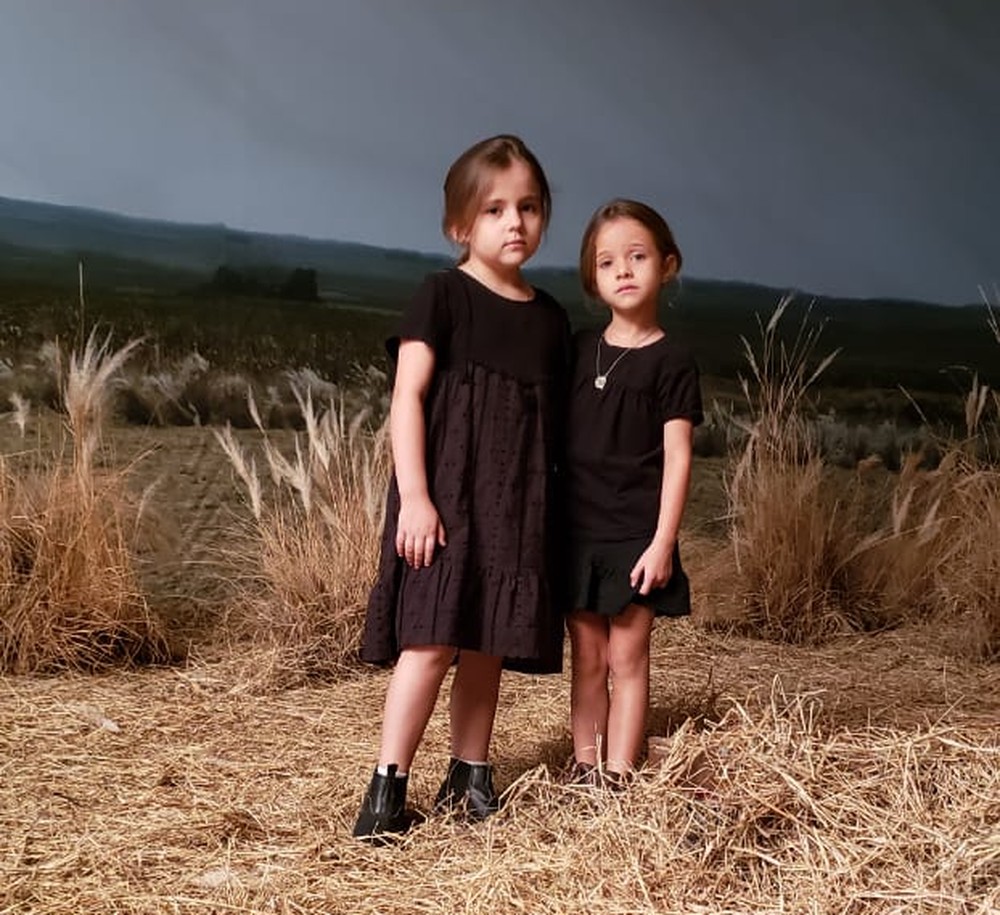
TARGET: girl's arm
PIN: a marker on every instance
(419, 529)
(655, 566)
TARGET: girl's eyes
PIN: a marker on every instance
(605, 262)
(497, 209)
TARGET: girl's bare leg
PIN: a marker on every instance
(474, 694)
(628, 660)
(409, 701)
(589, 703)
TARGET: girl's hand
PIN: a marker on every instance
(653, 568)
(418, 532)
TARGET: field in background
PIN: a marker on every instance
(898, 382)
(160, 280)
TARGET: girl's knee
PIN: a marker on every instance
(430, 659)
(589, 646)
(590, 659)
(628, 648)
(628, 662)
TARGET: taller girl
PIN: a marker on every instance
(481, 360)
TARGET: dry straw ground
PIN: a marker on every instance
(848, 772)
(866, 780)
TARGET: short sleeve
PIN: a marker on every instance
(426, 317)
(680, 389)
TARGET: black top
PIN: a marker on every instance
(452, 311)
(493, 418)
(615, 443)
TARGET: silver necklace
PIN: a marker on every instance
(601, 378)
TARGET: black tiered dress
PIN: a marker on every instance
(493, 416)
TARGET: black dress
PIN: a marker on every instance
(615, 467)
(493, 417)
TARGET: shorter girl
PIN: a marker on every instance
(634, 402)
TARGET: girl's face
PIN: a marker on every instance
(629, 269)
(507, 228)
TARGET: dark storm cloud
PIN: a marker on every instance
(841, 147)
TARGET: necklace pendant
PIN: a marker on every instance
(600, 381)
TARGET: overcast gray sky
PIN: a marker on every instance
(838, 147)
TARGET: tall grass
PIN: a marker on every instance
(69, 593)
(316, 525)
(793, 536)
(161, 389)
(937, 556)
(817, 555)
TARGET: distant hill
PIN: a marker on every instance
(344, 268)
(884, 342)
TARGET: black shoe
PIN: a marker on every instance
(468, 787)
(585, 775)
(383, 812)
(617, 782)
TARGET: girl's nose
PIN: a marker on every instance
(624, 269)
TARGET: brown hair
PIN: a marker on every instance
(466, 181)
(621, 208)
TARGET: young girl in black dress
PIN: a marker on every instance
(634, 401)
(466, 569)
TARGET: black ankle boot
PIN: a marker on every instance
(468, 787)
(585, 775)
(617, 781)
(383, 811)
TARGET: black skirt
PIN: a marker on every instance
(600, 580)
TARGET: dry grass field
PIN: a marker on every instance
(836, 766)
(864, 777)
(859, 776)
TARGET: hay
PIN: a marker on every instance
(862, 780)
